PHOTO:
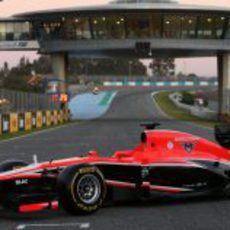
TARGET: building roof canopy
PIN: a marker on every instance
(137, 5)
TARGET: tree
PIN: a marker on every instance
(163, 67)
(17, 78)
(42, 65)
(106, 67)
(192, 77)
(5, 68)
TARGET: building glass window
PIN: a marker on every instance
(210, 27)
(26, 27)
(227, 35)
(139, 26)
(219, 26)
(46, 27)
(82, 28)
(108, 27)
(51, 29)
(26, 31)
(17, 30)
(10, 31)
(156, 25)
(2, 31)
(99, 27)
(172, 26)
(75, 28)
(131, 25)
(188, 26)
(116, 27)
(69, 29)
(206, 27)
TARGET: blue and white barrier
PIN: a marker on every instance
(161, 83)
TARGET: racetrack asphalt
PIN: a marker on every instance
(117, 129)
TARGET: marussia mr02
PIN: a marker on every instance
(165, 162)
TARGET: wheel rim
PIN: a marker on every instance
(89, 189)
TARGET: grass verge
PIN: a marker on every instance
(169, 108)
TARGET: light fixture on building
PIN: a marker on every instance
(150, 53)
(209, 20)
(118, 22)
(190, 21)
(95, 22)
(63, 19)
(122, 19)
(167, 22)
(76, 20)
(222, 18)
(103, 19)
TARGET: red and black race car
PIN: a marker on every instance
(165, 162)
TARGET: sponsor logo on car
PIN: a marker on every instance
(22, 182)
(170, 145)
(188, 147)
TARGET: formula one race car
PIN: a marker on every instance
(165, 162)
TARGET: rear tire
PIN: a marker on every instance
(81, 189)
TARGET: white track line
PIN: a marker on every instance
(158, 107)
(46, 226)
(37, 133)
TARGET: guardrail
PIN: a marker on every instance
(17, 101)
(27, 121)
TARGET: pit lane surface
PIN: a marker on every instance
(117, 129)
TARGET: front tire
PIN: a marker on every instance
(4, 167)
(81, 189)
(11, 165)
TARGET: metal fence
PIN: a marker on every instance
(16, 101)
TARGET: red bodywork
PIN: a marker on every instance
(159, 148)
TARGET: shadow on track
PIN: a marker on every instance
(155, 203)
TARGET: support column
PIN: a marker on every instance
(224, 85)
(59, 66)
(220, 84)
